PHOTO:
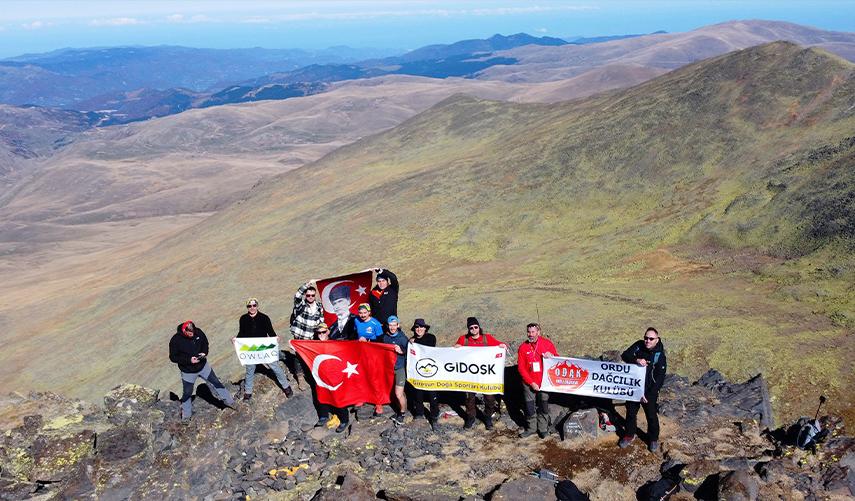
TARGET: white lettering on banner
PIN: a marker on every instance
(257, 350)
(474, 369)
(593, 378)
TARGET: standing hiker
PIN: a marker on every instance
(423, 337)
(648, 353)
(399, 340)
(475, 337)
(305, 316)
(530, 365)
(384, 296)
(253, 323)
(188, 348)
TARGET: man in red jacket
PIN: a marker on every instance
(474, 337)
(530, 364)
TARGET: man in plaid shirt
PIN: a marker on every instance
(307, 314)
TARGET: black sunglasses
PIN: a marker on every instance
(252, 306)
(650, 338)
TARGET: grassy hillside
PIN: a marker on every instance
(714, 202)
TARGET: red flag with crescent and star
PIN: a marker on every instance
(342, 295)
(349, 372)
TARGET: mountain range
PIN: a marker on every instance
(701, 200)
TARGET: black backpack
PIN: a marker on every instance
(658, 490)
(566, 490)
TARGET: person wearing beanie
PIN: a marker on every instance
(188, 349)
(423, 337)
(322, 333)
(384, 296)
(399, 340)
(475, 337)
(305, 315)
(530, 365)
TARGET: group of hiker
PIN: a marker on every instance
(377, 321)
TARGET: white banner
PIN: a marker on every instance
(257, 350)
(593, 378)
(472, 369)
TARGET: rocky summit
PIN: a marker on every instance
(717, 443)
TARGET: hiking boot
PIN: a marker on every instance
(653, 446)
(247, 396)
(542, 434)
(526, 432)
(468, 423)
(289, 392)
(321, 422)
(378, 411)
(625, 441)
(398, 419)
(341, 427)
(488, 423)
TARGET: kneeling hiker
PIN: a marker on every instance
(399, 340)
(530, 364)
(322, 333)
(474, 337)
(253, 323)
(648, 353)
(189, 349)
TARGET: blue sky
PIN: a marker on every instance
(39, 26)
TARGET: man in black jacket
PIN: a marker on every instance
(253, 323)
(189, 349)
(648, 353)
(423, 337)
(384, 297)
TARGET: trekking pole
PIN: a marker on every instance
(821, 401)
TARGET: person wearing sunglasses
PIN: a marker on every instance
(305, 316)
(476, 337)
(254, 323)
(648, 353)
(188, 348)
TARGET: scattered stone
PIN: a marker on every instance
(352, 488)
(127, 399)
(584, 423)
(121, 443)
(740, 485)
(524, 488)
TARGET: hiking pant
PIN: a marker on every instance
(188, 380)
(325, 409)
(419, 397)
(651, 409)
(536, 403)
(276, 367)
(489, 406)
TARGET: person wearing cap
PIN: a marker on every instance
(344, 329)
(322, 333)
(475, 337)
(400, 341)
(305, 316)
(384, 296)
(188, 348)
(368, 328)
(423, 337)
(650, 354)
(530, 365)
(254, 323)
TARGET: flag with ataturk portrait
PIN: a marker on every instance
(342, 295)
(349, 372)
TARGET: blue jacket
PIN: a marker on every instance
(370, 330)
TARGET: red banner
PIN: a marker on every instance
(349, 372)
(341, 296)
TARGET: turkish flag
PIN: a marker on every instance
(343, 295)
(349, 372)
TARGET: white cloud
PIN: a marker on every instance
(35, 25)
(182, 19)
(541, 30)
(257, 20)
(116, 21)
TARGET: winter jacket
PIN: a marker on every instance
(305, 317)
(401, 340)
(485, 339)
(530, 359)
(182, 348)
(257, 326)
(384, 303)
(427, 340)
(656, 364)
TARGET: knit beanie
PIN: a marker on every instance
(472, 321)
